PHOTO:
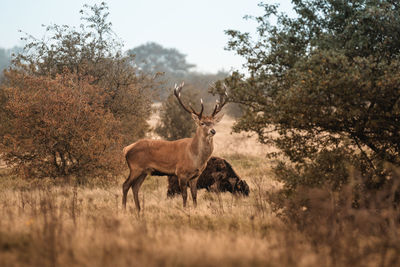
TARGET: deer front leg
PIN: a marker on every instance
(183, 183)
(193, 190)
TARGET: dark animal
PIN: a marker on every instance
(218, 176)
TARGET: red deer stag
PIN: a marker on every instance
(186, 158)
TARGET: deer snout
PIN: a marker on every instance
(212, 131)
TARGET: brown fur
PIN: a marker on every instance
(218, 176)
(186, 158)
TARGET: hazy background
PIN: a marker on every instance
(195, 28)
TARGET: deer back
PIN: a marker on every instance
(158, 155)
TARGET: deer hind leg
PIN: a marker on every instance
(193, 190)
(135, 189)
(133, 175)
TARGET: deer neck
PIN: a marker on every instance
(202, 146)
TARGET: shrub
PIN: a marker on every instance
(93, 51)
(175, 123)
(59, 127)
(355, 231)
(324, 88)
(71, 100)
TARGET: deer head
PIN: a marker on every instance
(204, 123)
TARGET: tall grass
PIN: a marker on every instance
(80, 222)
(48, 223)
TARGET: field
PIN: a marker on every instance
(59, 223)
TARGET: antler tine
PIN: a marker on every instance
(202, 108)
(177, 93)
(223, 99)
(194, 111)
(215, 108)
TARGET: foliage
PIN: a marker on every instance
(5, 61)
(327, 81)
(152, 58)
(167, 65)
(93, 51)
(170, 66)
(58, 127)
(71, 100)
(175, 123)
(351, 235)
(5, 58)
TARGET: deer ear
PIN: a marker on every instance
(218, 117)
(195, 118)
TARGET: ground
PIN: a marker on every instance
(49, 223)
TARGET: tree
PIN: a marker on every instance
(6, 56)
(152, 58)
(93, 50)
(72, 100)
(58, 127)
(327, 81)
(167, 65)
(175, 123)
(4, 59)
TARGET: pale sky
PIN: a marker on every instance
(194, 27)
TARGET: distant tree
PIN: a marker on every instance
(85, 70)
(4, 59)
(6, 56)
(175, 123)
(171, 64)
(326, 84)
(167, 65)
(152, 58)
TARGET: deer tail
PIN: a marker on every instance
(126, 149)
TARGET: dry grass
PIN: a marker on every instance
(47, 224)
(57, 223)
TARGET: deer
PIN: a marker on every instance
(218, 176)
(185, 158)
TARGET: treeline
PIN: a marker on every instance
(167, 65)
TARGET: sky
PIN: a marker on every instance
(194, 27)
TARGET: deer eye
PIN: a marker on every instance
(202, 123)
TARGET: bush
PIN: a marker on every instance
(59, 127)
(175, 123)
(71, 101)
(355, 231)
(92, 51)
(324, 88)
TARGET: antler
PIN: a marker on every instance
(223, 99)
(177, 93)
